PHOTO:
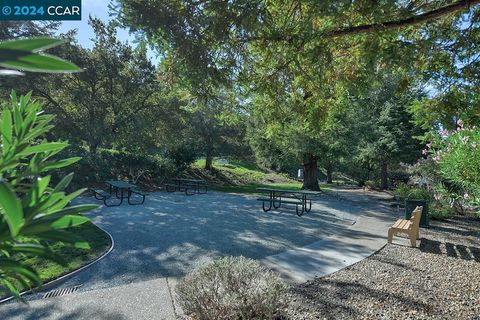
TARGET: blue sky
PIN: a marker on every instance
(99, 9)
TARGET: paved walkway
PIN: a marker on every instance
(171, 234)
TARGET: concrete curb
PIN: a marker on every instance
(67, 276)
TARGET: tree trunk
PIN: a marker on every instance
(209, 160)
(310, 173)
(384, 176)
(329, 174)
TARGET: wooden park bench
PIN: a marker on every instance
(410, 227)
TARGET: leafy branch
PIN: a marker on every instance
(32, 213)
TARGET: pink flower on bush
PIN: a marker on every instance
(424, 152)
(429, 145)
(465, 139)
(444, 133)
(466, 196)
(437, 196)
(474, 145)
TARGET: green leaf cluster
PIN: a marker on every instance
(25, 55)
(458, 158)
(32, 210)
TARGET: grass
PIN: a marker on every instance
(237, 173)
(243, 177)
(252, 188)
(48, 270)
(98, 240)
(232, 164)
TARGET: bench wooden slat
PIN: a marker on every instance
(397, 223)
(410, 227)
(402, 224)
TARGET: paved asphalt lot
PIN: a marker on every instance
(171, 234)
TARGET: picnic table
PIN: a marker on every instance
(277, 197)
(192, 185)
(121, 190)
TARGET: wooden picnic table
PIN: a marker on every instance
(276, 197)
(186, 185)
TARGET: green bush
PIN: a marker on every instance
(419, 194)
(232, 288)
(458, 157)
(107, 164)
(440, 211)
(33, 211)
(402, 190)
(371, 184)
(408, 192)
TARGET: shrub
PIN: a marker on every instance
(458, 157)
(33, 211)
(416, 193)
(107, 164)
(402, 190)
(440, 210)
(401, 176)
(232, 288)
(371, 184)
(410, 192)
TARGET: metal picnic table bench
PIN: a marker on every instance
(276, 197)
(121, 190)
(187, 185)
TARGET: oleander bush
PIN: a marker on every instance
(457, 154)
(232, 288)
(34, 212)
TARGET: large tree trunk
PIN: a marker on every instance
(384, 176)
(209, 160)
(329, 174)
(310, 173)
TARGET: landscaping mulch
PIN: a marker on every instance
(438, 280)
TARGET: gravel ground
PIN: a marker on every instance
(438, 280)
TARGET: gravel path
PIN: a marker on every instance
(438, 280)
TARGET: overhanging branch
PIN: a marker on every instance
(380, 26)
(421, 18)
